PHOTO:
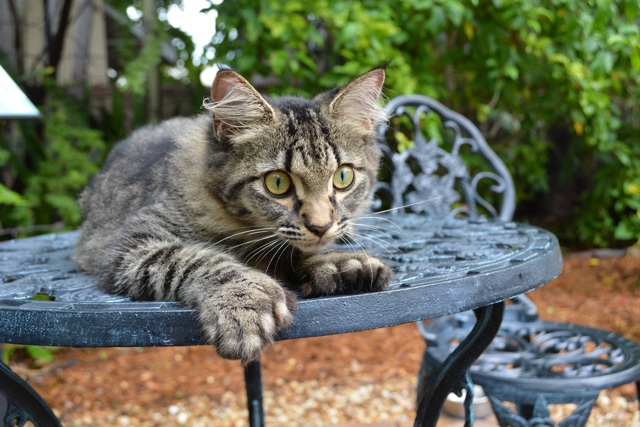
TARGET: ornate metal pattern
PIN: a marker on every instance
(454, 372)
(564, 363)
(551, 350)
(540, 415)
(15, 416)
(527, 354)
(19, 403)
(431, 176)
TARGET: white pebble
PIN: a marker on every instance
(182, 417)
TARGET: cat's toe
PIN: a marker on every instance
(345, 273)
(247, 349)
(248, 322)
(246, 340)
(384, 274)
(282, 311)
(364, 274)
(326, 279)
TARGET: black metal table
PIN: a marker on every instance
(442, 266)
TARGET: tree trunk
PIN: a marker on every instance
(150, 17)
(55, 41)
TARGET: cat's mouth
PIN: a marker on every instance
(312, 244)
(310, 241)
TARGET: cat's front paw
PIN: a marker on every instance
(344, 273)
(246, 314)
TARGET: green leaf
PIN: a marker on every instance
(631, 9)
(511, 72)
(603, 62)
(483, 112)
(616, 39)
(436, 20)
(41, 355)
(625, 230)
(403, 142)
(634, 57)
(9, 197)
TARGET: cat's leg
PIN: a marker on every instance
(336, 272)
(240, 308)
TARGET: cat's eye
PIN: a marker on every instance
(277, 183)
(343, 178)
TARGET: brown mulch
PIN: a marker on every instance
(364, 377)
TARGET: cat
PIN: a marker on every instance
(218, 211)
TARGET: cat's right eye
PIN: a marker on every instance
(277, 183)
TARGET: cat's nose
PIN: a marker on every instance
(318, 230)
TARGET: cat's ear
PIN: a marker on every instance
(356, 103)
(238, 109)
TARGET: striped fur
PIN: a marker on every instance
(181, 211)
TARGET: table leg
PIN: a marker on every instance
(253, 384)
(20, 402)
(454, 370)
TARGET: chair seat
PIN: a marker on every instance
(530, 358)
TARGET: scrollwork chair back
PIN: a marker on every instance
(437, 162)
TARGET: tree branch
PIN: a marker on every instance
(17, 37)
(55, 42)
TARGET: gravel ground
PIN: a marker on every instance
(99, 389)
(310, 403)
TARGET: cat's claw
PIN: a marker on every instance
(244, 319)
(344, 273)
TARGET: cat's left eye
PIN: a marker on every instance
(343, 178)
(277, 183)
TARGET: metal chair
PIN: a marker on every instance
(453, 172)
(535, 363)
(438, 163)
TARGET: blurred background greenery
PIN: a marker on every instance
(553, 85)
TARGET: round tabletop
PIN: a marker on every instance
(442, 266)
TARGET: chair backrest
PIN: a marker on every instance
(437, 162)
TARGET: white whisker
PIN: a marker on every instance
(231, 248)
(406, 206)
(368, 259)
(252, 231)
(262, 251)
(348, 242)
(383, 219)
(380, 242)
(282, 247)
(291, 261)
(380, 230)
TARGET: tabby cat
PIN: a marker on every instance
(218, 211)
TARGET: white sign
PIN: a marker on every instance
(14, 104)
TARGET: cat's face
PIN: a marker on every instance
(302, 170)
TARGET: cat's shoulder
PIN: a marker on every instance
(169, 129)
(162, 137)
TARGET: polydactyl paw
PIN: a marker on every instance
(246, 314)
(344, 273)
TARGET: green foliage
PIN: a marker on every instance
(135, 71)
(48, 173)
(40, 355)
(524, 69)
(69, 161)
(11, 198)
(45, 164)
